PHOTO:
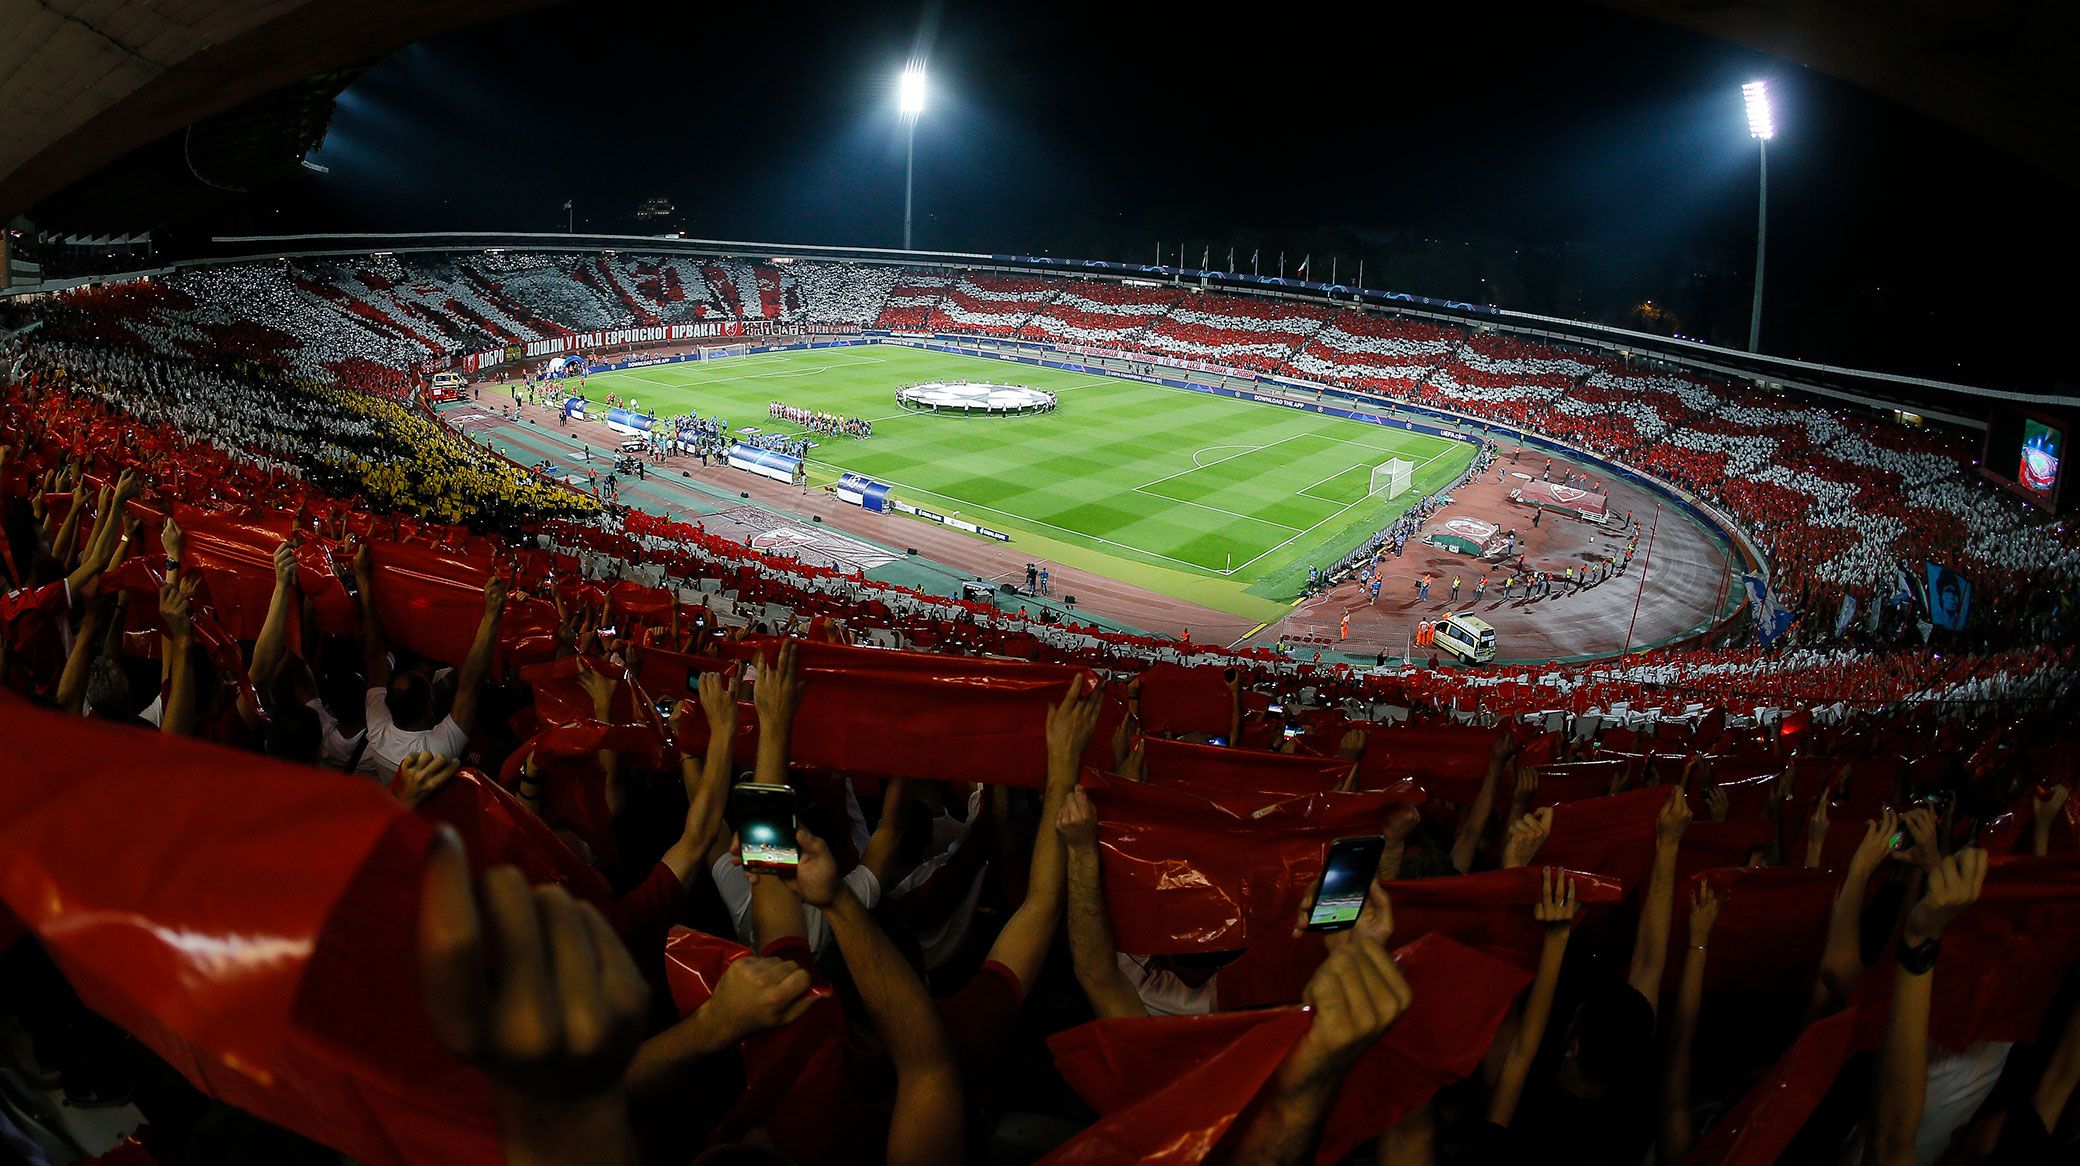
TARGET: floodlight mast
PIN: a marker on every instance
(910, 100)
(1762, 127)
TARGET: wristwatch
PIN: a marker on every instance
(1920, 958)
(172, 565)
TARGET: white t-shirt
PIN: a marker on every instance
(388, 745)
(334, 750)
(735, 890)
(1163, 992)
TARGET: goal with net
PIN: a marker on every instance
(1392, 478)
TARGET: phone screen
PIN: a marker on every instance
(765, 826)
(1276, 710)
(1347, 873)
(1216, 740)
(1293, 731)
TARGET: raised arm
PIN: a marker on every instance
(1022, 944)
(174, 600)
(1355, 996)
(375, 646)
(1091, 948)
(1841, 959)
(1953, 885)
(925, 1128)
(272, 644)
(1233, 677)
(469, 685)
(1556, 910)
(776, 693)
(1678, 1127)
(1650, 944)
(1468, 839)
(536, 990)
(755, 993)
(707, 780)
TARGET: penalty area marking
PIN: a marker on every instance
(1197, 464)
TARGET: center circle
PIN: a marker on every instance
(969, 397)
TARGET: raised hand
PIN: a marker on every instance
(1135, 767)
(1921, 826)
(1077, 822)
(1673, 819)
(285, 562)
(1715, 802)
(1556, 906)
(527, 984)
(1875, 845)
(1375, 918)
(175, 600)
(815, 879)
(424, 774)
(1400, 822)
(1527, 835)
(1954, 884)
(597, 685)
(495, 591)
(719, 693)
(1704, 912)
(1352, 746)
(778, 689)
(170, 536)
(757, 993)
(1071, 723)
(1527, 783)
(1355, 996)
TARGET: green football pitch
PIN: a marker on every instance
(1211, 499)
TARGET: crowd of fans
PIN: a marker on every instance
(1053, 888)
(1839, 502)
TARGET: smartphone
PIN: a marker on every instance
(765, 826)
(1348, 868)
(665, 706)
(1276, 710)
(605, 632)
(346, 578)
(1293, 731)
(1216, 740)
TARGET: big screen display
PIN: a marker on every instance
(2042, 447)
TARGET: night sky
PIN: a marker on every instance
(1578, 159)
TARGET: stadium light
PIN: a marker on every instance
(1762, 126)
(910, 100)
(911, 91)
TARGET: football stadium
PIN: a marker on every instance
(1473, 641)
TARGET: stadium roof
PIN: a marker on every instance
(84, 82)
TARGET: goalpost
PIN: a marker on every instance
(1392, 477)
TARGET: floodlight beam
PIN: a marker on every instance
(1762, 126)
(910, 91)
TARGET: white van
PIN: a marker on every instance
(1468, 637)
(447, 384)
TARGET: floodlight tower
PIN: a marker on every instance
(910, 100)
(1762, 127)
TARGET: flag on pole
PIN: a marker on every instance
(567, 204)
(1771, 619)
(1206, 257)
(1253, 260)
(1302, 270)
(1231, 261)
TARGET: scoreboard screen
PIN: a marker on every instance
(2025, 453)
